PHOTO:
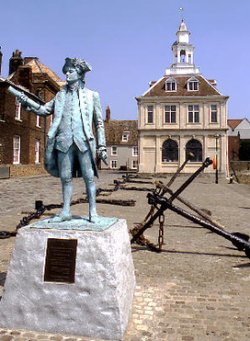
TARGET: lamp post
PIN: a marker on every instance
(216, 158)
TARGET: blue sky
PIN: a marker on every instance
(128, 43)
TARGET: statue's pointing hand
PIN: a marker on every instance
(102, 154)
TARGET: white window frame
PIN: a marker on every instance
(193, 84)
(150, 110)
(113, 151)
(134, 166)
(170, 85)
(213, 111)
(18, 111)
(38, 119)
(194, 112)
(171, 111)
(111, 164)
(16, 149)
(125, 136)
(37, 151)
(135, 151)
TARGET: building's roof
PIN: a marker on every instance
(38, 67)
(205, 87)
(114, 130)
(233, 123)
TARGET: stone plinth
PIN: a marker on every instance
(96, 304)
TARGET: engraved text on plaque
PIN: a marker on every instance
(60, 260)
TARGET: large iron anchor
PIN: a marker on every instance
(238, 239)
(175, 194)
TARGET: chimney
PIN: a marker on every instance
(24, 76)
(15, 61)
(213, 82)
(1, 57)
(151, 83)
(108, 114)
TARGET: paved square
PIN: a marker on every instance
(197, 289)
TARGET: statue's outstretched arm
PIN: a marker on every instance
(30, 105)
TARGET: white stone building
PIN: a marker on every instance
(239, 127)
(181, 112)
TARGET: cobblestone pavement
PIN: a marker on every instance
(197, 289)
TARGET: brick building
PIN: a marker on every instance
(122, 143)
(23, 134)
(233, 148)
(238, 133)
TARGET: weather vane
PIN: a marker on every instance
(181, 9)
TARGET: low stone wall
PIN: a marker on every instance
(241, 171)
(4, 172)
(240, 165)
(26, 170)
(244, 177)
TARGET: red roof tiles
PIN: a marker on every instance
(233, 123)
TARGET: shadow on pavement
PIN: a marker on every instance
(241, 266)
(2, 278)
(144, 248)
(204, 253)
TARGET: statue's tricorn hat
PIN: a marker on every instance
(80, 64)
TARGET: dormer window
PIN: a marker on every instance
(40, 93)
(125, 136)
(193, 84)
(170, 84)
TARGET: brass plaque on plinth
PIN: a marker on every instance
(60, 260)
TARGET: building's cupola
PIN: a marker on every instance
(183, 53)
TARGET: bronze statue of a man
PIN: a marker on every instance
(72, 146)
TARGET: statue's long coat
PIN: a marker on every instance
(91, 114)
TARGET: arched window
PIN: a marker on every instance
(194, 146)
(169, 151)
